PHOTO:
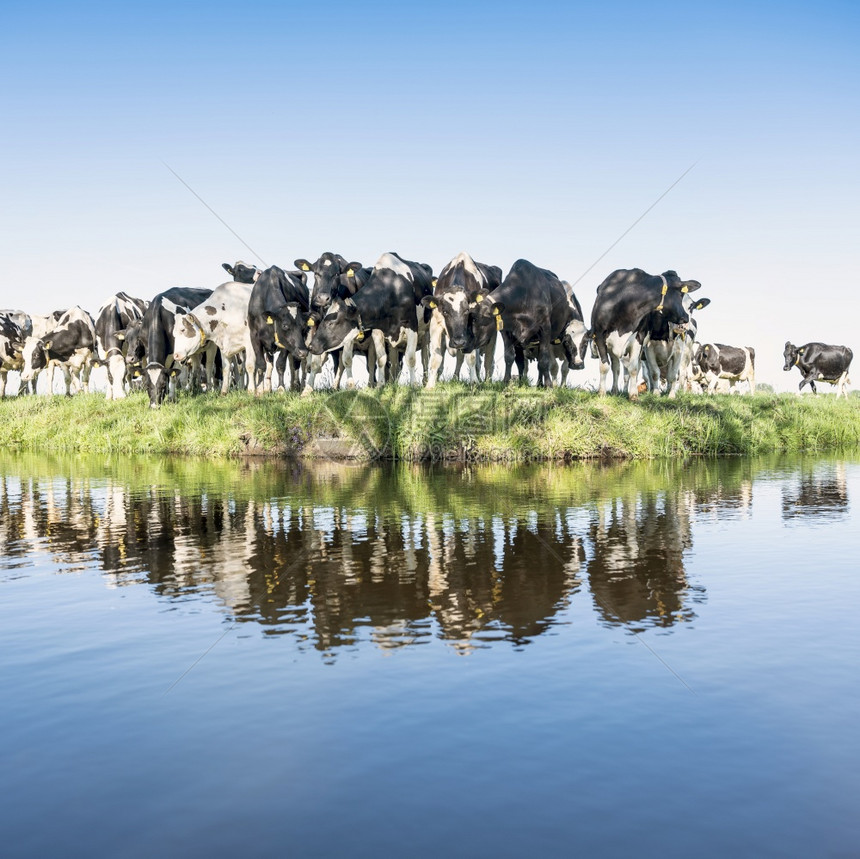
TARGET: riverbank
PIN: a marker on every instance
(493, 423)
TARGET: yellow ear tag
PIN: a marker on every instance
(305, 267)
(432, 305)
(434, 282)
(557, 341)
(350, 272)
(479, 298)
(685, 289)
(360, 335)
(136, 374)
(269, 320)
(311, 323)
(499, 323)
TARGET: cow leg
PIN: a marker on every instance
(840, 386)
(412, 355)
(347, 355)
(381, 356)
(598, 344)
(67, 378)
(436, 348)
(631, 365)
(116, 369)
(546, 362)
(3, 374)
(316, 368)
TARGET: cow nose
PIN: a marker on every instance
(302, 353)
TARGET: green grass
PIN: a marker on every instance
(493, 423)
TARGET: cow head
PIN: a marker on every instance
(34, 356)
(291, 326)
(791, 354)
(486, 318)
(457, 315)
(672, 293)
(241, 272)
(134, 348)
(188, 336)
(156, 378)
(341, 322)
(575, 342)
(329, 272)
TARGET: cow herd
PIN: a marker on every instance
(264, 321)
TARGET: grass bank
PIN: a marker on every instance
(493, 423)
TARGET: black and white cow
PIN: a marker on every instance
(156, 339)
(667, 351)
(819, 362)
(221, 322)
(717, 361)
(277, 321)
(455, 291)
(331, 274)
(334, 277)
(114, 318)
(15, 327)
(622, 308)
(70, 345)
(535, 314)
(385, 309)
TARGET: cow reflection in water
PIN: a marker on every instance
(821, 492)
(636, 571)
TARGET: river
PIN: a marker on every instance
(264, 658)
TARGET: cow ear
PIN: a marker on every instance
(351, 309)
(428, 301)
(690, 286)
(300, 276)
(352, 268)
(302, 265)
(313, 319)
(228, 268)
(702, 302)
(498, 308)
(47, 345)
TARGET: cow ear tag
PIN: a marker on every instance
(350, 272)
(360, 335)
(685, 289)
(557, 341)
(305, 267)
(311, 323)
(269, 320)
(432, 305)
(479, 298)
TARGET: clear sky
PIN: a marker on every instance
(506, 129)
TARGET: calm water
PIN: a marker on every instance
(264, 660)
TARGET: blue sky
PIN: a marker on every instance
(536, 130)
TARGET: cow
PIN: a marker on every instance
(70, 345)
(222, 320)
(384, 308)
(334, 277)
(452, 302)
(535, 313)
(114, 318)
(156, 339)
(622, 308)
(277, 311)
(717, 361)
(331, 274)
(667, 352)
(15, 327)
(819, 362)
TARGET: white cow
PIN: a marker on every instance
(221, 321)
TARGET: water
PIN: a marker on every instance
(256, 659)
